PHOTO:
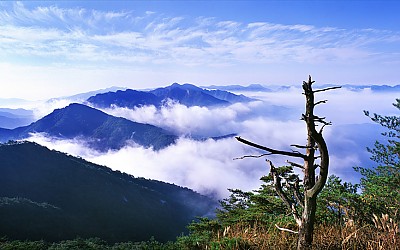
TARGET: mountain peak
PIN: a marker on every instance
(175, 85)
(100, 130)
(186, 94)
(185, 86)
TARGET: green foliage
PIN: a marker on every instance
(79, 243)
(62, 197)
(23, 245)
(381, 185)
(262, 205)
(87, 244)
(337, 201)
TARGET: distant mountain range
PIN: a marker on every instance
(186, 94)
(103, 132)
(261, 88)
(12, 118)
(376, 88)
(81, 97)
(48, 195)
(251, 87)
(98, 129)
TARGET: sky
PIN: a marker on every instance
(58, 48)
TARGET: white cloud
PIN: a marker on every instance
(205, 166)
(52, 31)
(183, 120)
(63, 49)
(208, 166)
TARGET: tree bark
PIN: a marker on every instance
(312, 185)
(306, 228)
(312, 182)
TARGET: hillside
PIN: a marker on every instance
(98, 129)
(49, 195)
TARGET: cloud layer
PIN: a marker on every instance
(78, 35)
(209, 167)
(46, 48)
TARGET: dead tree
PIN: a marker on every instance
(315, 165)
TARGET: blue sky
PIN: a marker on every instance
(50, 49)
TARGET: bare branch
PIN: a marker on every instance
(293, 164)
(251, 156)
(281, 193)
(297, 193)
(272, 151)
(299, 146)
(326, 89)
(295, 151)
(322, 128)
(286, 230)
(321, 120)
(318, 118)
(320, 102)
(316, 166)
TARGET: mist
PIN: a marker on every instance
(209, 166)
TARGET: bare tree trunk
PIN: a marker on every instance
(306, 228)
(312, 182)
(312, 185)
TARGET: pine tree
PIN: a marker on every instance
(381, 185)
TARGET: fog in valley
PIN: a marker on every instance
(209, 166)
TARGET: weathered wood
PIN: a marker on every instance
(312, 183)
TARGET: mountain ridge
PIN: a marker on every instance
(100, 130)
(186, 94)
(46, 194)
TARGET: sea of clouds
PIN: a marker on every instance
(209, 166)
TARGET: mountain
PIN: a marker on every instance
(45, 194)
(186, 94)
(83, 96)
(13, 118)
(128, 98)
(251, 87)
(375, 88)
(100, 130)
(17, 112)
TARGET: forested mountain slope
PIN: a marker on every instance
(49, 195)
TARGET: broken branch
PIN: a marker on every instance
(250, 156)
(293, 164)
(320, 102)
(326, 89)
(272, 151)
(286, 230)
(281, 193)
(299, 146)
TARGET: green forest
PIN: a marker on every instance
(348, 216)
